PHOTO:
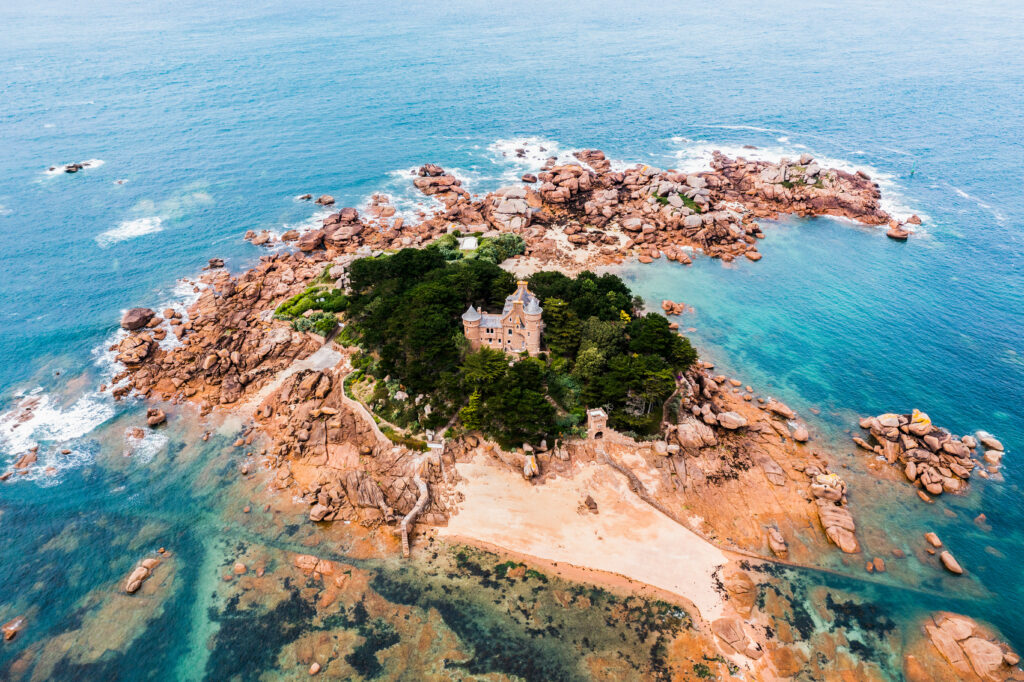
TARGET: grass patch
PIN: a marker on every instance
(407, 441)
(687, 202)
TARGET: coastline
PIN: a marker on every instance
(469, 498)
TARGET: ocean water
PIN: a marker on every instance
(203, 122)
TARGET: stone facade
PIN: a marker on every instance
(597, 424)
(516, 329)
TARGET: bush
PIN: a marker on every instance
(320, 323)
(500, 248)
(315, 297)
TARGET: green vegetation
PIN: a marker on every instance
(320, 322)
(407, 441)
(492, 249)
(687, 202)
(317, 297)
(701, 670)
(405, 313)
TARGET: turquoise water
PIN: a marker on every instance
(217, 118)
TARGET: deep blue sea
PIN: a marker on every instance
(202, 122)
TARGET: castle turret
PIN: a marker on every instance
(471, 326)
(533, 314)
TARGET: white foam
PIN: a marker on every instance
(4, 211)
(143, 450)
(88, 164)
(37, 419)
(130, 229)
(1000, 217)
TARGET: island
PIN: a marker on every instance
(482, 378)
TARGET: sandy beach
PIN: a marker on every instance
(550, 521)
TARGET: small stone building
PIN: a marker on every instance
(597, 424)
(517, 329)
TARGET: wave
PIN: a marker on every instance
(144, 449)
(38, 421)
(1000, 217)
(130, 229)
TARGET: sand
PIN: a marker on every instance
(548, 521)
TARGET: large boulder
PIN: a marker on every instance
(731, 420)
(950, 562)
(136, 318)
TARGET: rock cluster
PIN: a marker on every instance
(931, 457)
(673, 308)
(969, 650)
(587, 215)
(829, 492)
(802, 187)
(331, 451)
(433, 181)
(139, 574)
(227, 343)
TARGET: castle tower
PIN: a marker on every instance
(597, 423)
(471, 326)
(534, 325)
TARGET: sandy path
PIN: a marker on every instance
(625, 537)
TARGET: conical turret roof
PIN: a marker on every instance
(471, 314)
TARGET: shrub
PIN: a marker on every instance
(320, 323)
(315, 297)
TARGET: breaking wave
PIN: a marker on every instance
(130, 229)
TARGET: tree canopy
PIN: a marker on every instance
(405, 310)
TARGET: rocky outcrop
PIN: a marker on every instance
(155, 416)
(339, 463)
(508, 209)
(950, 563)
(139, 574)
(136, 318)
(734, 638)
(585, 215)
(13, 627)
(229, 345)
(931, 457)
(838, 524)
(433, 181)
(969, 650)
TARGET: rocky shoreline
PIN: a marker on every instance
(584, 215)
(719, 441)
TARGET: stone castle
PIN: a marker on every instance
(515, 330)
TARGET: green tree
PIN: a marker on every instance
(562, 327)
(483, 368)
(607, 335)
(470, 415)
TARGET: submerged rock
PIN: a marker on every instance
(13, 627)
(951, 564)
